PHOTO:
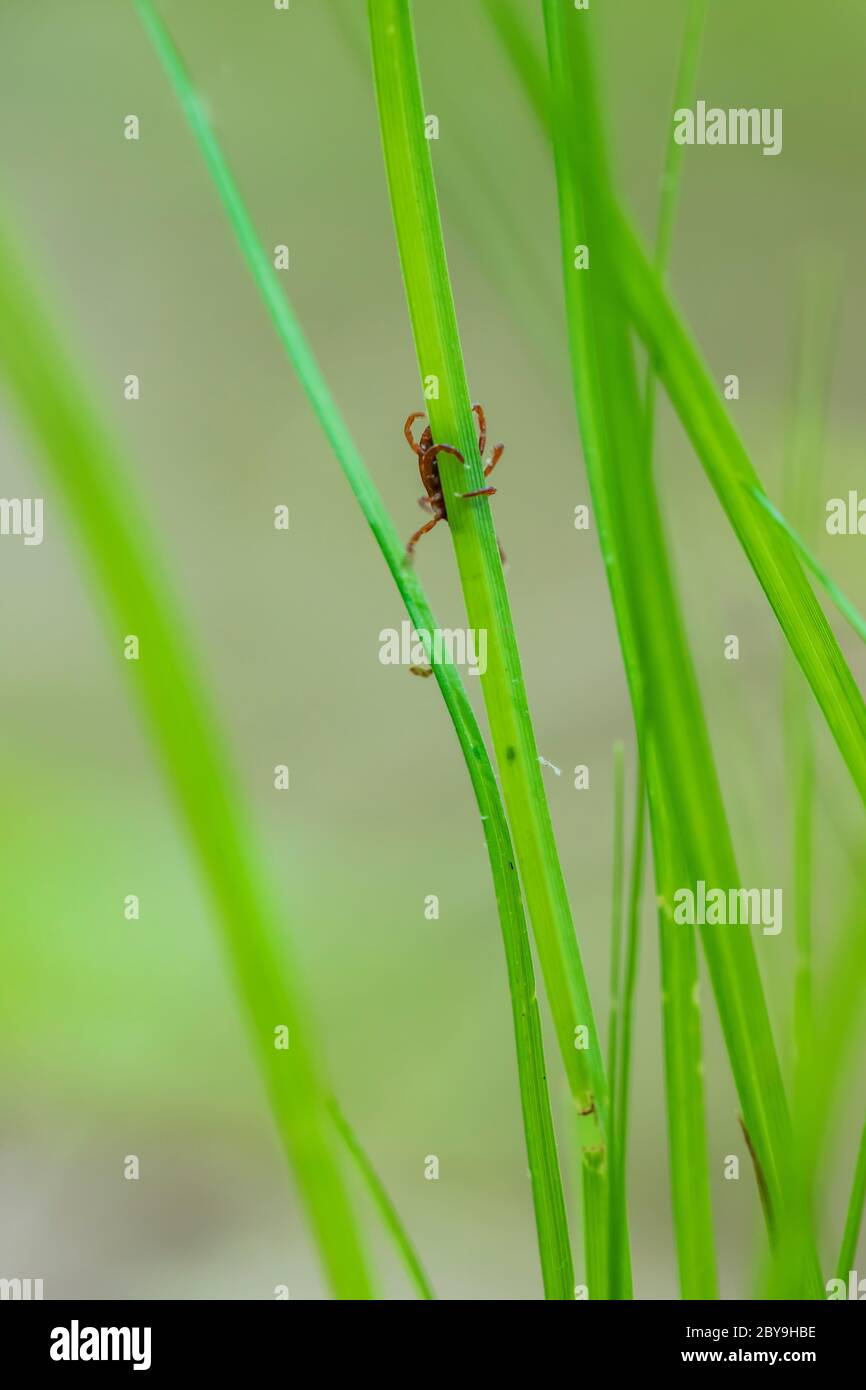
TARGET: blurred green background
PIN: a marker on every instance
(122, 1037)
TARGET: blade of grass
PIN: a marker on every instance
(854, 1218)
(387, 1211)
(801, 483)
(736, 988)
(616, 914)
(849, 612)
(85, 467)
(727, 464)
(614, 436)
(618, 1281)
(549, 1204)
(768, 546)
(431, 308)
(681, 1017)
(596, 1196)
(620, 1089)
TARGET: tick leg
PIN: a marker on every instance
(422, 531)
(407, 430)
(479, 492)
(495, 457)
(435, 449)
(425, 504)
(482, 428)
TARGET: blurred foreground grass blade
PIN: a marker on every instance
(437, 343)
(542, 1157)
(87, 471)
(854, 1217)
(613, 429)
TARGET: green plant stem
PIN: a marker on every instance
(388, 1212)
(620, 1090)
(618, 1268)
(596, 1197)
(802, 471)
(431, 308)
(854, 1218)
(616, 915)
(549, 1204)
(85, 467)
(681, 1015)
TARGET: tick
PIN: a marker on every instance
(428, 466)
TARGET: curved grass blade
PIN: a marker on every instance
(551, 1221)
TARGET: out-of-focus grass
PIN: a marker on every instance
(124, 561)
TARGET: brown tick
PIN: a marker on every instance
(428, 466)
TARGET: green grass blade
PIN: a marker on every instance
(613, 431)
(596, 1218)
(87, 471)
(854, 1218)
(727, 464)
(431, 307)
(621, 1088)
(387, 1211)
(616, 914)
(849, 611)
(770, 549)
(681, 1018)
(801, 483)
(542, 1158)
(618, 1270)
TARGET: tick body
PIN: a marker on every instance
(428, 466)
